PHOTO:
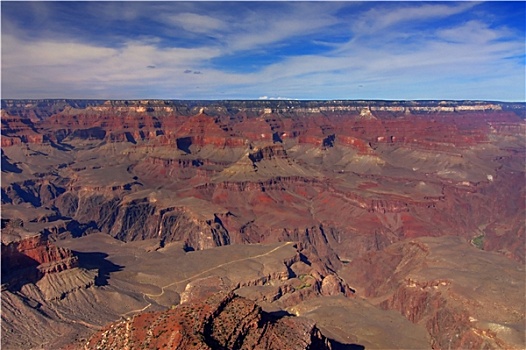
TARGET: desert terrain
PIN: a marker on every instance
(263, 224)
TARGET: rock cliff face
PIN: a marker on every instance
(234, 126)
(446, 286)
(395, 169)
(344, 180)
(370, 173)
(39, 282)
(222, 321)
(26, 258)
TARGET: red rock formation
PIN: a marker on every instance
(221, 321)
(147, 121)
(343, 178)
(17, 129)
(27, 259)
(202, 130)
(405, 277)
(277, 130)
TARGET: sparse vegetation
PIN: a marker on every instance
(303, 278)
(478, 242)
(304, 285)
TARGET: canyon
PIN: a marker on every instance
(263, 224)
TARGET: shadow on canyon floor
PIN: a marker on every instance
(335, 345)
(341, 346)
(97, 260)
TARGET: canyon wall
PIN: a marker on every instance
(358, 186)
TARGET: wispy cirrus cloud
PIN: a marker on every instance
(473, 32)
(70, 66)
(378, 18)
(246, 50)
(196, 23)
(260, 29)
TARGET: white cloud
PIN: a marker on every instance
(196, 23)
(18, 53)
(276, 98)
(258, 32)
(375, 63)
(71, 66)
(383, 17)
(474, 32)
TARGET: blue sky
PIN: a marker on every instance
(267, 50)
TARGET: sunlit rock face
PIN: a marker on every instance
(343, 180)
(369, 173)
(222, 321)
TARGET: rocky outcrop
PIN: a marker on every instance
(268, 153)
(445, 285)
(343, 179)
(37, 192)
(39, 282)
(222, 321)
(139, 220)
(26, 258)
(18, 129)
(167, 122)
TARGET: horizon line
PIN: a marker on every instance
(262, 100)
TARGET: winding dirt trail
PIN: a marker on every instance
(145, 295)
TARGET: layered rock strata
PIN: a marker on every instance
(222, 321)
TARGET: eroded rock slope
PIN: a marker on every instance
(343, 181)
